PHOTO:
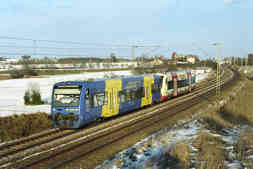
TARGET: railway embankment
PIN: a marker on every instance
(159, 124)
(18, 126)
(213, 135)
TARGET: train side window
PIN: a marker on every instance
(170, 85)
(128, 95)
(182, 83)
(135, 94)
(99, 99)
(155, 87)
(161, 81)
(185, 83)
(141, 92)
(122, 96)
(106, 98)
(179, 84)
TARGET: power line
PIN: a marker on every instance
(202, 50)
(44, 54)
(63, 42)
(44, 47)
(74, 43)
(54, 54)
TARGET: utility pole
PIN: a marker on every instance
(35, 46)
(246, 62)
(218, 73)
(133, 53)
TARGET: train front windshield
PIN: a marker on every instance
(67, 96)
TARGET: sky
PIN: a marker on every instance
(183, 26)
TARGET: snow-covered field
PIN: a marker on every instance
(151, 152)
(12, 91)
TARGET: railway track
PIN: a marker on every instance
(52, 148)
(19, 145)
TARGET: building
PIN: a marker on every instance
(8, 60)
(184, 59)
(191, 59)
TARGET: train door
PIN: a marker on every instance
(112, 89)
(90, 106)
(175, 79)
(149, 94)
(190, 81)
(147, 100)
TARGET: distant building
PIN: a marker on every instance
(183, 59)
(157, 60)
(8, 60)
(192, 59)
(12, 60)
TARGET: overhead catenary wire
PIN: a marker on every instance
(69, 42)
(45, 54)
(60, 48)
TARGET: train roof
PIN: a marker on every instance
(81, 82)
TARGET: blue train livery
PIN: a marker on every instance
(76, 103)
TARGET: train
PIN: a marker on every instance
(78, 103)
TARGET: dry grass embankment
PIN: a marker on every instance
(211, 153)
(4, 77)
(17, 126)
(237, 112)
(179, 156)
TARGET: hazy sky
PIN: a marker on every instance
(183, 26)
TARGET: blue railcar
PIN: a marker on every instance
(76, 103)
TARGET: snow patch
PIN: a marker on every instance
(12, 91)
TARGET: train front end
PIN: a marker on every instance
(65, 105)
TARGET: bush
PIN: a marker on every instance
(36, 98)
(15, 74)
(29, 71)
(27, 97)
(32, 95)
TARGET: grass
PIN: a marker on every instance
(244, 147)
(4, 77)
(237, 111)
(17, 126)
(240, 110)
(179, 156)
(211, 154)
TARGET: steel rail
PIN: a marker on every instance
(22, 144)
(169, 106)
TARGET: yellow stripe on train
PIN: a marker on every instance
(148, 82)
(112, 87)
